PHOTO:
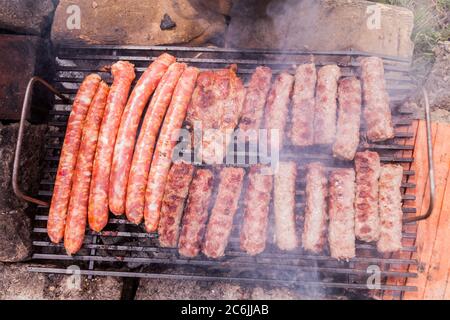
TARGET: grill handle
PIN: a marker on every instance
(430, 163)
(25, 108)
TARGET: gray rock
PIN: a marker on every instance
(26, 16)
(320, 25)
(31, 156)
(15, 236)
(137, 22)
(16, 282)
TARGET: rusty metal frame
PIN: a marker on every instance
(25, 110)
(431, 180)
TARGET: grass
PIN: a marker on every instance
(431, 25)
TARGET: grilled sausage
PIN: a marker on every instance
(390, 204)
(367, 219)
(278, 105)
(123, 73)
(175, 194)
(377, 112)
(284, 206)
(315, 225)
(255, 100)
(126, 136)
(145, 145)
(167, 140)
(341, 228)
(347, 134)
(196, 214)
(63, 183)
(325, 107)
(256, 214)
(221, 220)
(79, 195)
(303, 101)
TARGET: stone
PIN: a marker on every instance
(26, 16)
(15, 236)
(137, 22)
(29, 171)
(321, 25)
(17, 282)
(22, 58)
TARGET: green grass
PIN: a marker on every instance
(431, 25)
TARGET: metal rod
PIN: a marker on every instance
(431, 180)
(25, 109)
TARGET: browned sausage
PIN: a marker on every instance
(79, 195)
(257, 200)
(196, 213)
(221, 219)
(326, 105)
(255, 100)
(390, 203)
(303, 101)
(126, 136)
(123, 73)
(315, 225)
(63, 183)
(167, 140)
(143, 152)
(347, 134)
(341, 229)
(175, 194)
(377, 112)
(278, 106)
(367, 219)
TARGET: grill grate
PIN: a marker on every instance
(126, 250)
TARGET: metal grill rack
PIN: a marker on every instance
(126, 250)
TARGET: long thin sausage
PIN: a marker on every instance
(79, 195)
(126, 136)
(284, 206)
(326, 105)
(302, 130)
(143, 152)
(123, 73)
(167, 140)
(196, 213)
(221, 220)
(257, 199)
(61, 192)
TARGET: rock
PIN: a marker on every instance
(16, 282)
(26, 16)
(32, 153)
(15, 236)
(321, 25)
(137, 22)
(22, 58)
(219, 6)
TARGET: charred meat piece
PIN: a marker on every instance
(367, 219)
